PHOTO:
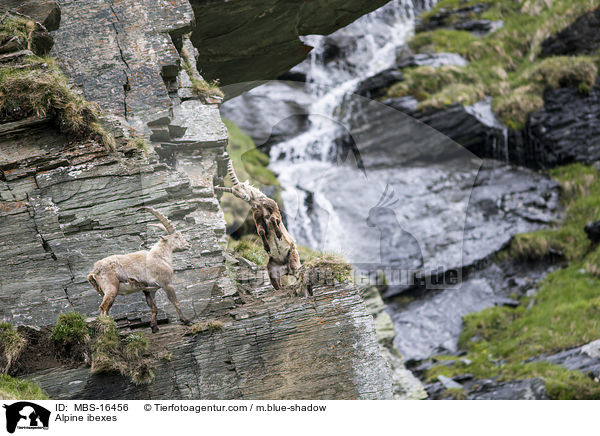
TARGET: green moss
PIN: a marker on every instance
(70, 327)
(503, 64)
(580, 194)
(564, 314)
(136, 345)
(199, 86)
(12, 344)
(212, 326)
(16, 389)
(42, 90)
(127, 357)
(249, 247)
(455, 394)
(140, 143)
(13, 25)
(331, 263)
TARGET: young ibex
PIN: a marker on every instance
(277, 242)
(144, 271)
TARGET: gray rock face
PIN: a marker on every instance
(272, 347)
(65, 205)
(580, 37)
(566, 130)
(434, 60)
(585, 359)
(527, 389)
(259, 39)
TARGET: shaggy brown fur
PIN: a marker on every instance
(277, 242)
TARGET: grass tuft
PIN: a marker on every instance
(12, 344)
(16, 389)
(504, 64)
(70, 327)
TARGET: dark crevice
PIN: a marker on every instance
(126, 85)
(67, 295)
(45, 244)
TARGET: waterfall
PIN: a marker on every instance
(370, 45)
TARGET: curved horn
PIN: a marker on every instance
(231, 173)
(163, 219)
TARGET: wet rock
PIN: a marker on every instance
(580, 37)
(448, 383)
(474, 127)
(376, 86)
(528, 389)
(270, 113)
(46, 12)
(566, 130)
(479, 27)
(431, 323)
(450, 17)
(585, 359)
(259, 39)
(434, 60)
(592, 230)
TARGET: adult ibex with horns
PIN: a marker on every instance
(277, 242)
(142, 271)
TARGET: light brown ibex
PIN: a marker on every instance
(142, 271)
(277, 242)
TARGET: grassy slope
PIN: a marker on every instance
(504, 64)
(15, 389)
(565, 313)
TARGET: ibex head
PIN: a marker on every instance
(243, 190)
(174, 238)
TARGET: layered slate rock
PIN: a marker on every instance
(272, 347)
(580, 37)
(566, 130)
(66, 204)
(243, 41)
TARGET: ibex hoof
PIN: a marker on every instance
(186, 321)
(154, 328)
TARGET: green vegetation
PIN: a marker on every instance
(565, 312)
(212, 326)
(140, 143)
(249, 247)
(70, 327)
(580, 194)
(200, 86)
(127, 357)
(503, 64)
(331, 263)
(12, 344)
(37, 87)
(15, 389)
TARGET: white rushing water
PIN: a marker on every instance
(369, 46)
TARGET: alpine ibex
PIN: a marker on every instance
(142, 271)
(277, 242)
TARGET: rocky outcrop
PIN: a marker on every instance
(566, 130)
(243, 41)
(271, 346)
(460, 19)
(65, 204)
(489, 389)
(580, 37)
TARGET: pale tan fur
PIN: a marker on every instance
(142, 271)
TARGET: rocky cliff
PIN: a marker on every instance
(67, 203)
